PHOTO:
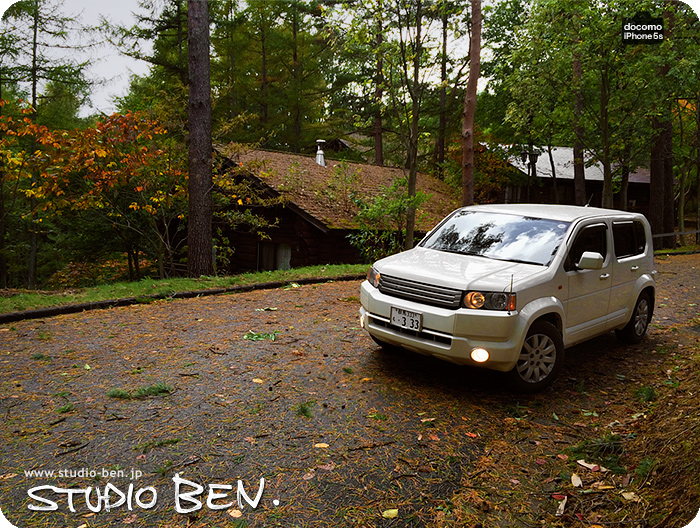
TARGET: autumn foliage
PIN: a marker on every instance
(121, 171)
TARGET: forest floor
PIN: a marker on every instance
(194, 399)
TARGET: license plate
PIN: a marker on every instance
(405, 319)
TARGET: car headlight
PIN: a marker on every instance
(489, 301)
(373, 277)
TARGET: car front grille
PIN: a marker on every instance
(420, 292)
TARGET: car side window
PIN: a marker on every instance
(629, 238)
(590, 238)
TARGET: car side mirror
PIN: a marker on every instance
(590, 260)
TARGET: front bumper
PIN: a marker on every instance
(450, 335)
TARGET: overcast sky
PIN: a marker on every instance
(106, 64)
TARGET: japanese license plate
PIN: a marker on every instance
(406, 319)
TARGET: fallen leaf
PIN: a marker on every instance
(541, 461)
(257, 380)
(321, 446)
(561, 508)
(327, 467)
(235, 513)
(423, 420)
(309, 475)
(576, 481)
(8, 476)
(390, 514)
(631, 496)
(592, 467)
(130, 519)
(434, 437)
(366, 379)
(472, 435)
(563, 456)
(558, 496)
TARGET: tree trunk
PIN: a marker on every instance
(378, 94)
(413, 135)
(199, 224)
(607, 198)
(697, 166)
(470, 106)
(579, 167)
(657, 180)
(442, 127)
(554, 174)
(296, 73)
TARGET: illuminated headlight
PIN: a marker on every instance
(480, 355)
(373, 277)
(490, 301)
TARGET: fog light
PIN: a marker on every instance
(480, 355)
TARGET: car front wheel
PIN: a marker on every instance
(540, 358)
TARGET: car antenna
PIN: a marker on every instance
(589, 201)
(511, 283)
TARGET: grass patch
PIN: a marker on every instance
(65, 408)
(30, 300)
(145, 391)
(41, 357)
(153, 444)
(606, 451)
(304, 409)
(646, 394)
(153, 390)
(261, 336)
(119, 393)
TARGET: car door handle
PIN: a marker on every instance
(605, 276)
(634, 268)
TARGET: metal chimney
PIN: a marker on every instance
(320, 158)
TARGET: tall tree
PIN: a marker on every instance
(40, 26)
(470, 106)
(199, 223)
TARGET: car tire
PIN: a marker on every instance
(541, 358)
(636, 328)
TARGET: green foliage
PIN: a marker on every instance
(382, 221)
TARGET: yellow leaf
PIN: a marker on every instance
(321, 445)
(390, 514)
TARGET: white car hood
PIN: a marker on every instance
(452, 270)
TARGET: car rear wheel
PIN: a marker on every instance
(540, 358)
(637, 326)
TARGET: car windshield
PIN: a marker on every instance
(499, 236)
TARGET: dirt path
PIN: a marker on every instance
(341, 432)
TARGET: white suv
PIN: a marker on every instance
(508, 287)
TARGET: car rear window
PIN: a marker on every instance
(499, 236)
